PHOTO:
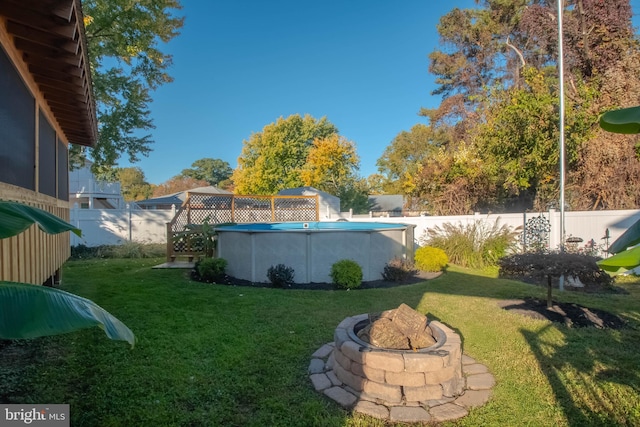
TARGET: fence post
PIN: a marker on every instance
(554, 235)
(128, 206)
(273, 209)
(75, 218)
(169, 242)
(524, 231)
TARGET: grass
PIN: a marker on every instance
(233, 356)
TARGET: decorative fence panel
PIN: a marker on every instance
(186, 233)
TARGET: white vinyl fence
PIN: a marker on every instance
(587, 226)
(116, 226)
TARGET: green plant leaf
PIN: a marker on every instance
(17, 217)
(30, 311)
(625, 120)
(630, 237)
(622, 261)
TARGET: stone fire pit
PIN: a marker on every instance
(410, 385)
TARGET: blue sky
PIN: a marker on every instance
(241, 64)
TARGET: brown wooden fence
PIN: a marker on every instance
(184, 238)
(34, 256)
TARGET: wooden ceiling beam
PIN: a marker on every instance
(35, 49)
(32, 18)
(59, 76)
(65, 97)
(59, 86)
(43, 37)
(40, 62)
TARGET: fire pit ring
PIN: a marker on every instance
(398, 377)
(436, 383)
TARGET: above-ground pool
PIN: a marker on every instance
(311, 248)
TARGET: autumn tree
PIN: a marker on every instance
(496, 69)
(178, 183)
(124, 40)
(451, 182)
(214, 171)
(408, 150)
(331, 163)
(272, 160)
(133, 184)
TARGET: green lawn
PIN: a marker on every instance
(219, 355)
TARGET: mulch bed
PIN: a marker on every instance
(572, 315)
(420, 276)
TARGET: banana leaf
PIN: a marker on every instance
(30, 311)
(625, 120)
(17, 217)
(630, 237)
(622, 261)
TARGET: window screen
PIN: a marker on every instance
(17, 128)
(63, 171)
(46, 157)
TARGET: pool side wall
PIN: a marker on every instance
(311, 253)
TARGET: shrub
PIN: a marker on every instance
(346, 274)
(429, 258)
(138, 250)
(210, 270)
(475, 245)
(125, 250)
(398, 270)
(280, 275)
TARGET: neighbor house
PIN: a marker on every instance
(46, 102)
(87, 192)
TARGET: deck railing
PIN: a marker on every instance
(184, 237)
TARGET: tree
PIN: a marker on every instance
(133, 184)
(124, 38)
(451, 182)
(354, 195)
(497, 72)
(519, 136)
(402, 159)
(178, 183)
(331, 163)
(272, 160)
(214, 171)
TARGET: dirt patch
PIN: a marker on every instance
(420, 276)
(572, 315)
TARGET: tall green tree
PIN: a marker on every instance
(354, 195)
(125, 39)
(271, 160)
(214, 171)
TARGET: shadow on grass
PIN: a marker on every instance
(594, 374)
(585, 373)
